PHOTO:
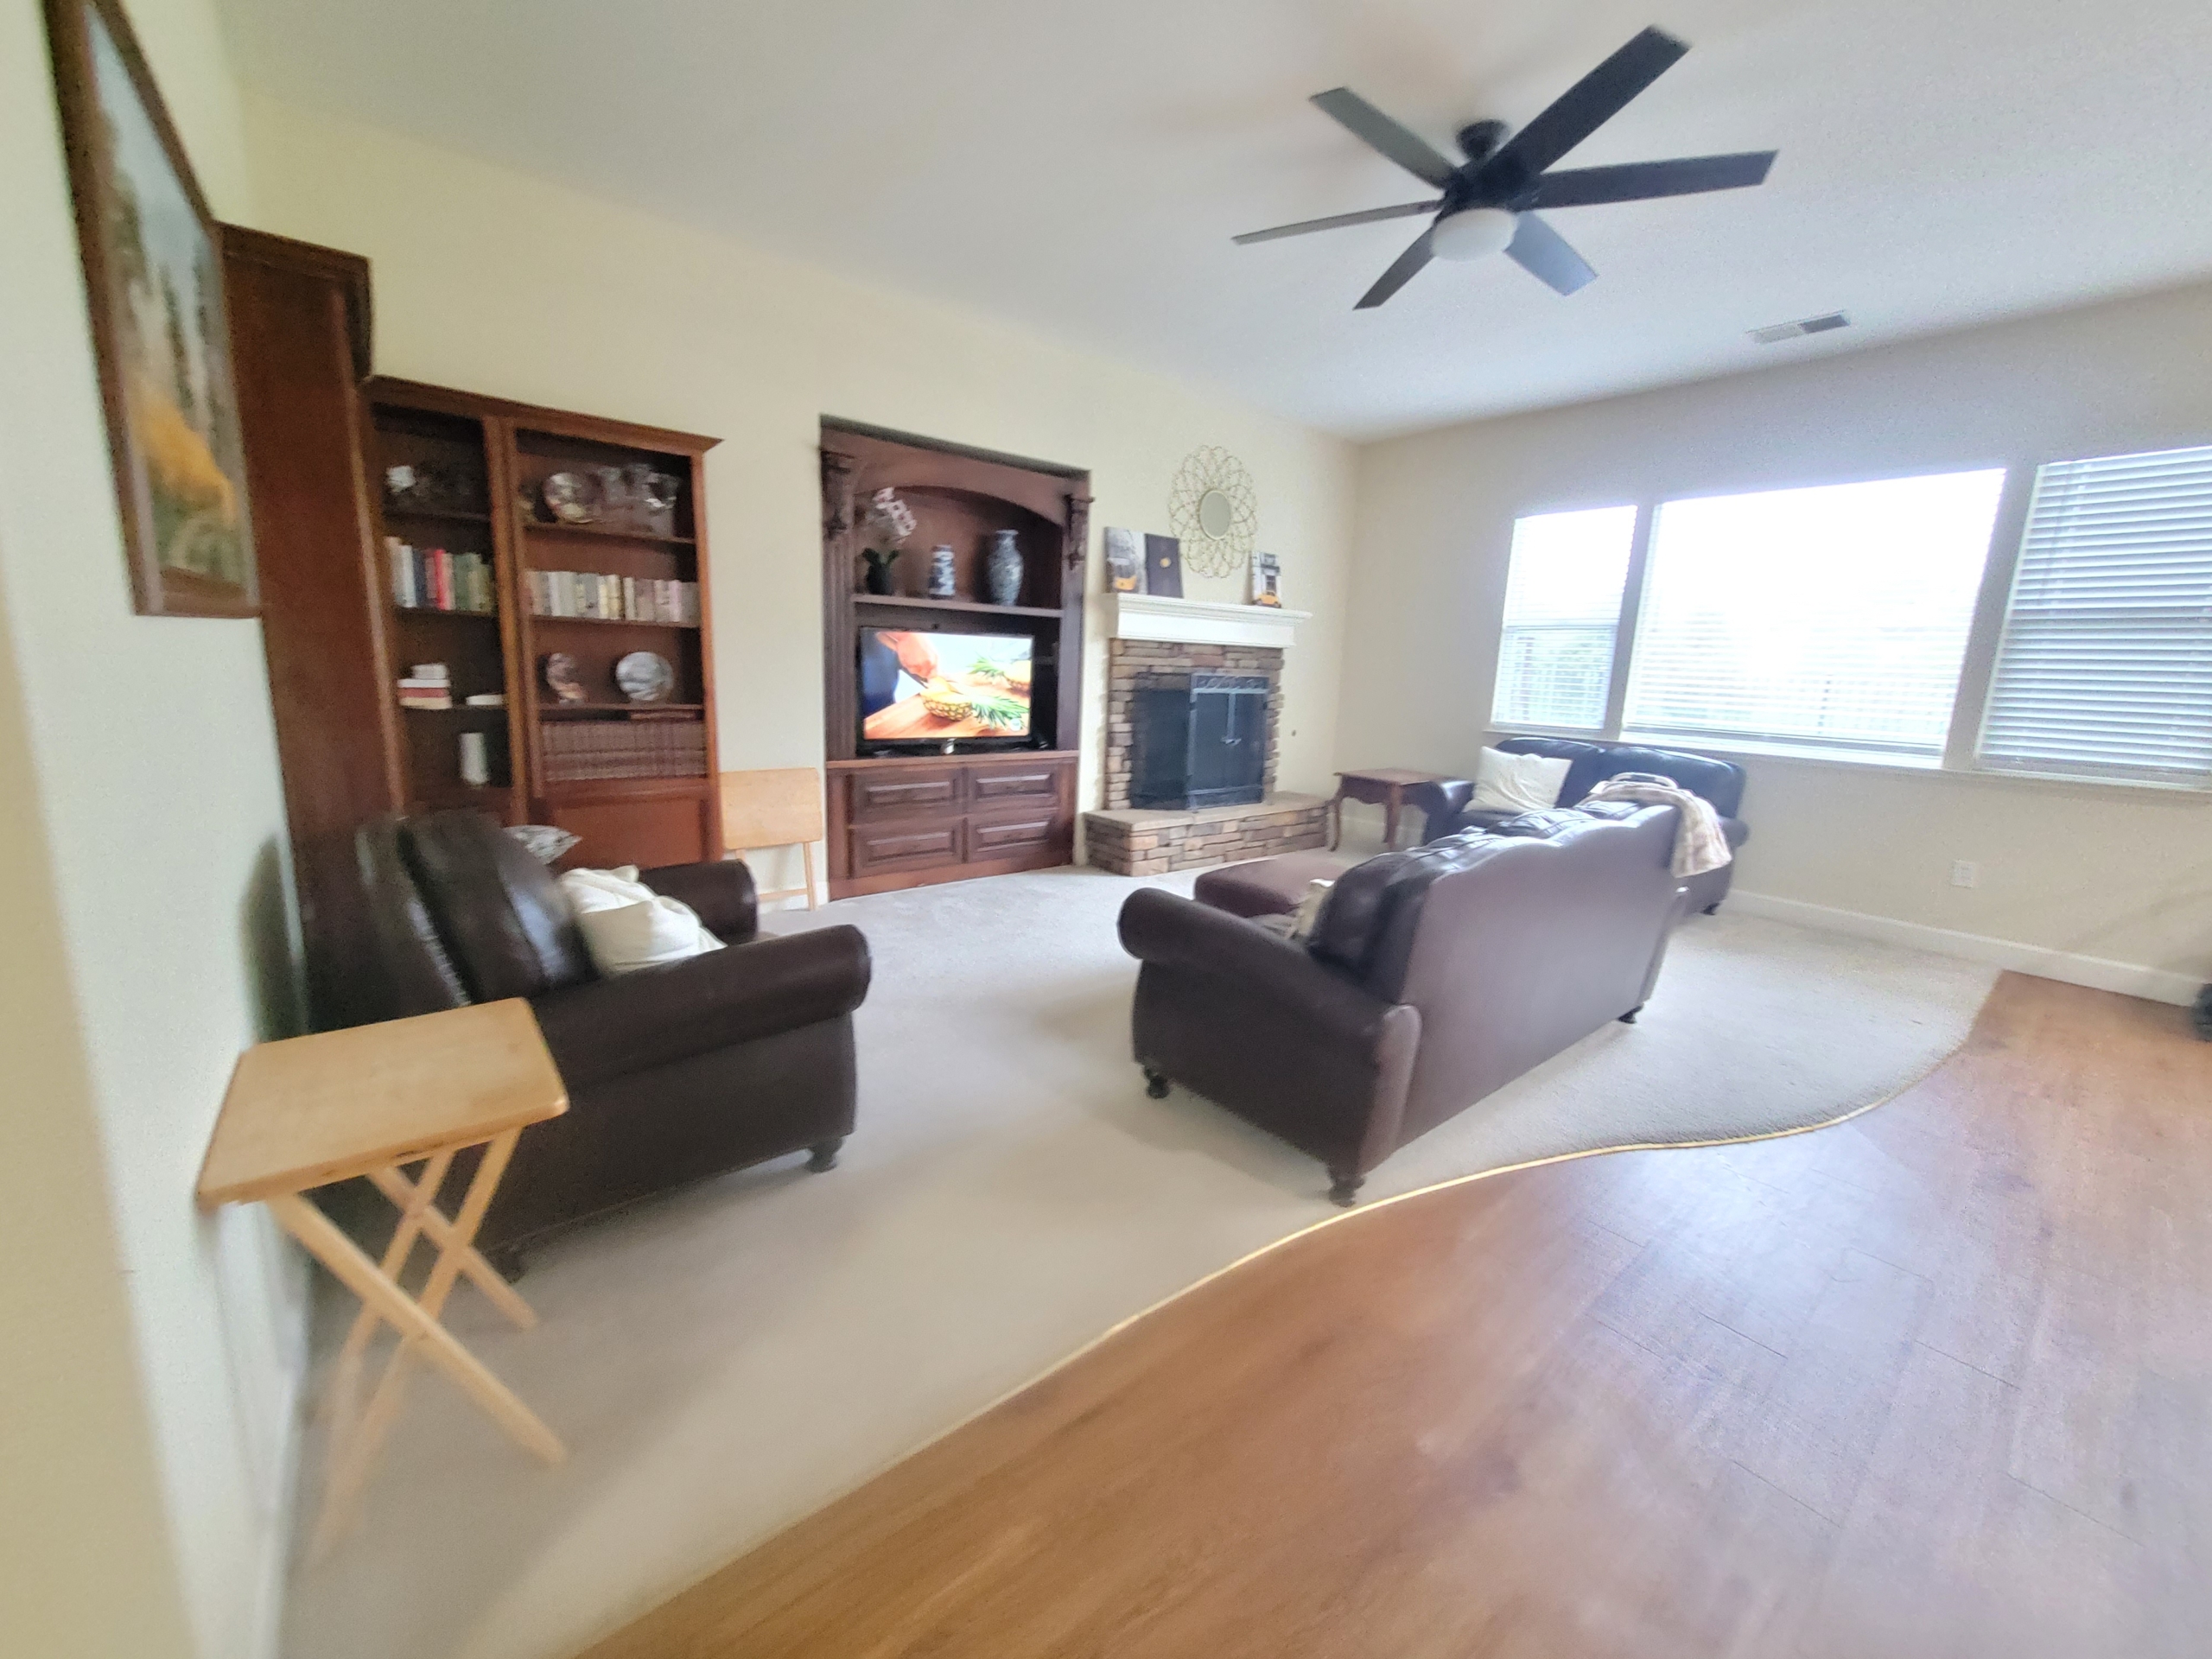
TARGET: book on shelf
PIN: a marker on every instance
(432, 579)
(600, 596)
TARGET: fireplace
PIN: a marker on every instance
(1198, 739)
(1193, 705)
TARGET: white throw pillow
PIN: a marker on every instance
(1518, 783)
(627, 925)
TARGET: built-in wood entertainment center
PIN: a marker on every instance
(901, 819)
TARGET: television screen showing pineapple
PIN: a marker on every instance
(929, 687)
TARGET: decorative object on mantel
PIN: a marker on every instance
(889, 524)
(1267, 579)
(1124, 561)
(562, 678)
(1214, 510)
(645, 677)
(944, 581)
(1005, 568)
(1163, 566)
(161, 335)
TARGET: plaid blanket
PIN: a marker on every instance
(1699, 844)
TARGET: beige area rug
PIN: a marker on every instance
(723, 1361)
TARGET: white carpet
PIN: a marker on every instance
(727, 1360)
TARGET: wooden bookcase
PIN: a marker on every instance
(906, 820)
(320, 435)
(664, 816)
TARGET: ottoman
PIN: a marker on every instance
(1268, 886)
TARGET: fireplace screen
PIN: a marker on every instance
(1198, 739)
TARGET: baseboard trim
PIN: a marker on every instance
(2098, 972)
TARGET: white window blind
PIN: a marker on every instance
(1562, 612)
(1834, 617)
(2106, 668)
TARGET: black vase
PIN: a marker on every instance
(878, 579)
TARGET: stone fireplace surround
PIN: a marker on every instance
(1140, 841)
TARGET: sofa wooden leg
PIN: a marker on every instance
(1713, 909)
(1154, 1085)
(1343, 1188)
(825, 1156)
(1629, 1019)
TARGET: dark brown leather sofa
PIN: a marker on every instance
(1433, 976)
(674, 1073)
(1720, 782)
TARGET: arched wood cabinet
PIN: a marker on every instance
(899, 818)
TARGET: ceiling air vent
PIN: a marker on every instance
(1775, 332)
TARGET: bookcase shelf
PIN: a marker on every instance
(544, 621)
(504, 452)
(600, 533)
(980, 607)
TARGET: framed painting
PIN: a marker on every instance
(153, 278)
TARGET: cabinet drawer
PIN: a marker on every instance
(890, 794)
(888, 847)
(988, 786)
(1003, 837)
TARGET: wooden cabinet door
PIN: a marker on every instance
(939, 791)
(1004, 784)
(996, 837)
(879, 848)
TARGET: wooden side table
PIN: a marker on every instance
(1382, 786)
(310, 1110)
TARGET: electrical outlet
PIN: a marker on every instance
(1965, 873)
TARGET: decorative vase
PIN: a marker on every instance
(878, 579)
(1004, 570)
(941, 572)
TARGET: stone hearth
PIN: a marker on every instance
(1130, 841)
(1138, 842)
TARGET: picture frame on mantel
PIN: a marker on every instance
(160, 332)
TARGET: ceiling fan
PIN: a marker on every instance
(1489, 199)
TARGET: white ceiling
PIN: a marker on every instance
(1078, 168)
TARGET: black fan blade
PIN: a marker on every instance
(1372, 216)
(1584, 186)
(1378, 131)
(1544, 254)
(1578, 113)
(1398, 275)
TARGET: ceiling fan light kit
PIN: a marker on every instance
(1473, 234)
(1488, 199)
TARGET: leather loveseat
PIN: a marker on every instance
(675, 1073)
(1431, 977)
(1720, 782)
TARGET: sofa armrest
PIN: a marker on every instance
(722, 893)
(1161, 928)
(656, 1016)
(1735, 832)
(1441, 805)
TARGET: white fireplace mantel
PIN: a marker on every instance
(1199, 622)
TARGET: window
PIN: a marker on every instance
(1562, 612)
(2105, 667)
(1827, 618)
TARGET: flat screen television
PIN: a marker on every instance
(928, 688)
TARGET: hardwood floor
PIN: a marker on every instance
(1934, 1382)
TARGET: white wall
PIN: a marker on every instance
(2107, 875)
(145, 824)
(497, 282)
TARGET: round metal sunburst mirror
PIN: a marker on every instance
(1214, 512)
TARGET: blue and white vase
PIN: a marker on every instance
(941, 574)
(1004, 571)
